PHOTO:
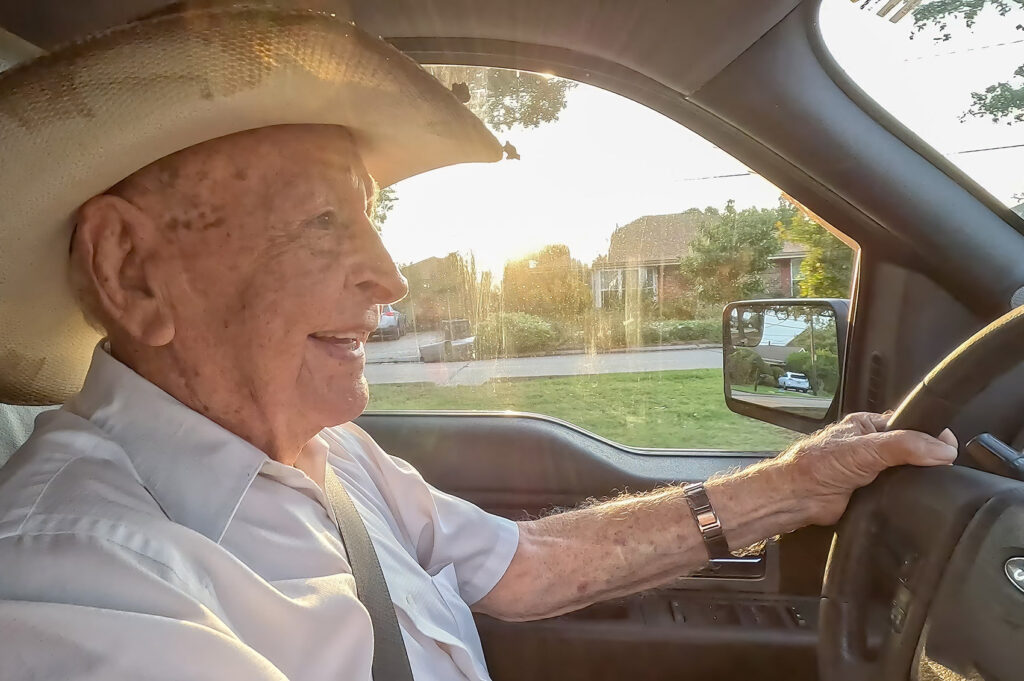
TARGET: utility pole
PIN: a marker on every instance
(814, 374)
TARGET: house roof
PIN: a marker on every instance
(427, 268)
(777, 354)
(654, 239)
(790, 250)
(664, 239)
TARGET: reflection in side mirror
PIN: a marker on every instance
(784, 356)
(746, 326)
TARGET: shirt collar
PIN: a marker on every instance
(196, 470)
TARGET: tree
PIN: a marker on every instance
(1002, 100)
(548, 283)
(745, 367)
(823, 373)
(730, 251)
(825, 338)
(386, 198)
(445, 288)
(504, 98)
(827, 269)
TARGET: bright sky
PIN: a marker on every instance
(779, 332)
(608, 160)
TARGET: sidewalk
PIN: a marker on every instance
(478, 372)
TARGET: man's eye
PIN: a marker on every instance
(326, 220)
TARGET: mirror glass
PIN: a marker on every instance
(784, 356)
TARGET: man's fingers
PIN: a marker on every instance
(878, 421)
(950, 439)
(868, 422)
(909, 447)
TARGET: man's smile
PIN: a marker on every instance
(341, 345)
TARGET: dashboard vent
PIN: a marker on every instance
(876, 383)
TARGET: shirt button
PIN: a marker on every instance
(409, 600)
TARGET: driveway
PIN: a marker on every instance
(480, 371)
(405, 349)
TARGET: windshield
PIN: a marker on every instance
(950, 70)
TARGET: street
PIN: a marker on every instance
(405, 349)
(480, 371)
(777, 401)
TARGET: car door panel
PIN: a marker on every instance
(520, 466)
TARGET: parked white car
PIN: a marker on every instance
(391, 325)
(794, 381)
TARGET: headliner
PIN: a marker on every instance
(679, 43)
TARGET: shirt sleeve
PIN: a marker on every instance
(444, 529)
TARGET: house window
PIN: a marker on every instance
(611, 287)
(794, 275)
(648, 282)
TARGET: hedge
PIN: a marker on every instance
(667, 331)
(513, 334)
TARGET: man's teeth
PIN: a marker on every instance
(333, 338)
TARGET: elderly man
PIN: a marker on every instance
(176, 519)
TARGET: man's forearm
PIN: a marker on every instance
(567, 561)
(572, 559)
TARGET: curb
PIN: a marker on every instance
(566, 353)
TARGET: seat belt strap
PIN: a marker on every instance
(390, 658)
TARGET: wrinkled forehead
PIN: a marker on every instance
(284, 159)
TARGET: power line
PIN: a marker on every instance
(978, 151)
(949, 153)
(716, 177)
(936, 55)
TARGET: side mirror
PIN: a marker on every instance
(783, 360)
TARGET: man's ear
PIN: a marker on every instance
(115, 246)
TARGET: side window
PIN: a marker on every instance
(584, 276)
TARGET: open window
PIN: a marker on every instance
(583, 277)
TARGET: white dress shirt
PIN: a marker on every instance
(140, 540)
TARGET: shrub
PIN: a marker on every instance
(675, 309)
(745, 366)
(513, 334)
(826, 369)
(682, 331)
(604, 329)
(567, 334)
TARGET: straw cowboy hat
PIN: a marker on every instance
(78, 120)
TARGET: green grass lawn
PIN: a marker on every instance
(655, 409)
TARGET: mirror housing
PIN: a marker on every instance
(780, 361)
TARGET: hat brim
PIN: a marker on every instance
(77, 121)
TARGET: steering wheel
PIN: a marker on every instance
(879, 585)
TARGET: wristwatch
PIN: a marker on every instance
(707, 522)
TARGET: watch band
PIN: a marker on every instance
(707, 521)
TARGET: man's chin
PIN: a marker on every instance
(342, 405)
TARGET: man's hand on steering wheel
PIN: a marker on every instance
(827, 467)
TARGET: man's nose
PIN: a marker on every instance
(379, 276)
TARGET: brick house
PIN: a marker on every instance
(783, 276)
(645, 254)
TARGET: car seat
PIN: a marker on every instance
(16, 423)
